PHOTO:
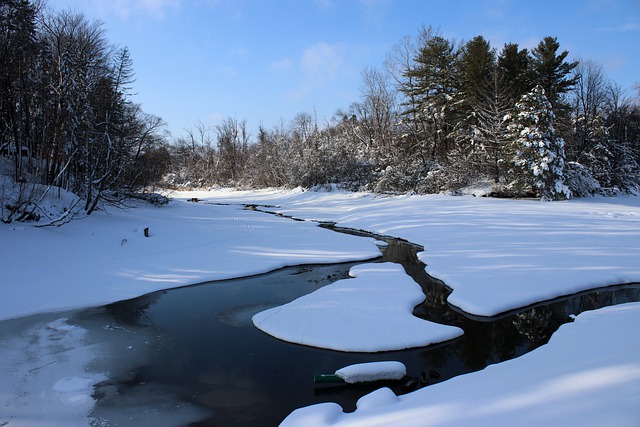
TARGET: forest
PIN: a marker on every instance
(436, 116)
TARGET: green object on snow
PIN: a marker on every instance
(327, 378)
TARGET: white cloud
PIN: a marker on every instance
(319, 64)
(216, 117)
(615, 62)
(322, 60)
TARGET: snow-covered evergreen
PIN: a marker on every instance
(536, 152)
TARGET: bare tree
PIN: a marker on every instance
(372, 120)
(589, 99)
(233, 141)
(490, 134)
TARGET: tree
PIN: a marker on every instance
(370, 122)
(551, 71)
(80, 79)
(233, 140)
(65, 107)
(399, 63)
(115, 121)
(622, 117)
(433, 89)
(589, 97)
(270, 162)
(515, 72)
(490, 134)
(410, 158)
(536, 151)
(474, 120)
(18, 56)
(476, 68)
(588, 142)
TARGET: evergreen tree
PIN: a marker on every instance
(433, 90)
(551, 71)
(536, 151)
(477, 65)
(513, 64)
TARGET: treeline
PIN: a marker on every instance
(66, 118)
(440, 116)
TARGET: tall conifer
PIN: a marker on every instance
(536, 151)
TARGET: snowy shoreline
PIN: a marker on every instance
(525, 251)
(106, 257)
(497, 255)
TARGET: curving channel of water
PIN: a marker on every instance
(191, 356)
(208, 355)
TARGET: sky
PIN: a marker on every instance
(203, 61)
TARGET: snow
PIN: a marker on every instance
(370, 313)
(372, 371)
(497, 255)
(587, 375)
(106, 257)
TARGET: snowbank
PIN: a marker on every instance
(587, 375)
(496, 254)
(370, 313)
(106, 257)
(372, 371)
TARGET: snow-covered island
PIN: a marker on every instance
(497, 255)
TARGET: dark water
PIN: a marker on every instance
(200, 350)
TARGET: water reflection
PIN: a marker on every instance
(208, 355)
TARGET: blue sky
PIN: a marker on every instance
(266, 61)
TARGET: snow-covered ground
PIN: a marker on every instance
(106, 257)
(496, 254)
(523, 251)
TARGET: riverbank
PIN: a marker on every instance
(107, 257)
(517, 252)
(523, 251)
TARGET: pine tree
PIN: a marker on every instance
(514, 67)
(433, 91)
(550, 71)
(536, 151)
(475, 124)
(477, 63)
